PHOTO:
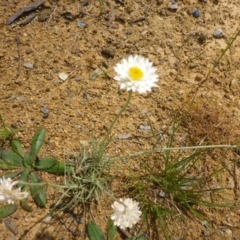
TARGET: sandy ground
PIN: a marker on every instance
(182, 48)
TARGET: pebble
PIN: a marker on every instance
(78, 78)
(28, 65)
(196, 13)
(48, 77)
(81, 24)
(199, 77)
(173, 6)
(123, 136)
(44, 15)
(108, 52)
(45, 111)
(145, 128)
(11, 226)
(28, 51)
(47, 219)
(63, 76)
(95, 74)
(218, 33)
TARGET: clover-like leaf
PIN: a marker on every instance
(11, 158)
(7, 210)
(38, 192)
(17, 147)
(37, 142)
(45, 163)
(94, 232)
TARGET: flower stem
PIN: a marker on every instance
(158, 150)
(107, 138)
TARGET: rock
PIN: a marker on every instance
(78, 78)
(45, 112)
(218, 33)
(11, 226)
(144, 128)
(173, 6)
(199, 77)
(63, 76)
(196, 13)
(44, 15)
(108, 52)
(47, 219)
(28, 51)
(81, 24)
(123, 136)
(28, 65)
(48, 77)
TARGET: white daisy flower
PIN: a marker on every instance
(126, 214)
(8, 194)
(136, 74)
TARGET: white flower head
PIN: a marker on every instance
(8, 194)
(136, 74)
(126, 214)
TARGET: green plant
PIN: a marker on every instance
(25, 166)
(6, 132)
(95, 233)
(174, 182)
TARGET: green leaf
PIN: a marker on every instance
(6, 166)
(7, 210)
(59, 168)
(111, 229)
(11, 175)
(37, 142)
(137, 238)
(24, 206)
(45, 163)
(94, 232)
(27, 160)
(17, 147)
(11, 158)
(38, 192)
(24, 177)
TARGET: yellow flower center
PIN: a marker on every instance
(135, 73)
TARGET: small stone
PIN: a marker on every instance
(143, 128)
(44, 15)
(11, 226)
(199, 77)
(173, 6)
(78, 78)
(47, 219)
(108, 52)
(45, 112)
(218, 33)
(123, 136)
(48, 77)
(196, 13)
(28, 65)
(81, 24)
(28, 51)
(63, 76)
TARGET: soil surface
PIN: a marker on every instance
(75, 40)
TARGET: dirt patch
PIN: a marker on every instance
(77, 39)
